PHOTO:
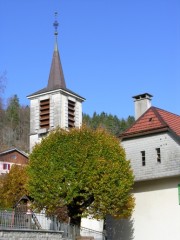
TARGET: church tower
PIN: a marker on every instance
(54, 105)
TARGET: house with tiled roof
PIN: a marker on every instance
(10, 157)
(152, 145)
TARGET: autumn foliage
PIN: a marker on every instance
(13, 186)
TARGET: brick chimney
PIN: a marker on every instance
(142, 104)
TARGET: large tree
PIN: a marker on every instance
(82, 171)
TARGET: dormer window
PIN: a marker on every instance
(150, 119)
(158, 155)
(143, 157)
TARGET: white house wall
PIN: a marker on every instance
(96, 227)
(157, 212)
(3, 171)
(156, 215)
(170, 156)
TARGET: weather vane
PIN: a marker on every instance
(56, 24)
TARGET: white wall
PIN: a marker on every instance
(58, 113)
(33, 140)
(156, 215)
(2, 171)
(170, 156)
(95, 226)
(157, 212)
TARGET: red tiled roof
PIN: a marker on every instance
(172, 120)
(154, 120)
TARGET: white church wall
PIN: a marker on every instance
(58, 113)
(33, 140)
(78, 114)
(34, 115)
(55, 110)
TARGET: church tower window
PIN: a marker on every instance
(44, 113)
(71, 114)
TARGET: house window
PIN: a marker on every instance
(44, 113)
(13, 156)
(71, 114)
(143, 157)
(6, 166)
(158, 155)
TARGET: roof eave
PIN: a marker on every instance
(143, 133)
(14, 149)
(54, 91)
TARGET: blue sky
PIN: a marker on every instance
(110, 50)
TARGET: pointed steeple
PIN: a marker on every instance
(56, 76)
(55, 105)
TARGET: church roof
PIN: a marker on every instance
(152, 121)
(56, 76)
(56, 79)
(45, 90)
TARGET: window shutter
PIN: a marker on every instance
(179, 193)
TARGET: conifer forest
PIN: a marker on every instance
(15, 122)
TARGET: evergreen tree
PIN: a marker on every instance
(13, 111)
(109, 122)
(14, 125)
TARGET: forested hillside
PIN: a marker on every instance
(15, 122)
(14, 125)
(108, 121)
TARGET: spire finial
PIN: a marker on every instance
(55, 24)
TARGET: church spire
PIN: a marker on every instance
(56, 76)
(55, 24)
